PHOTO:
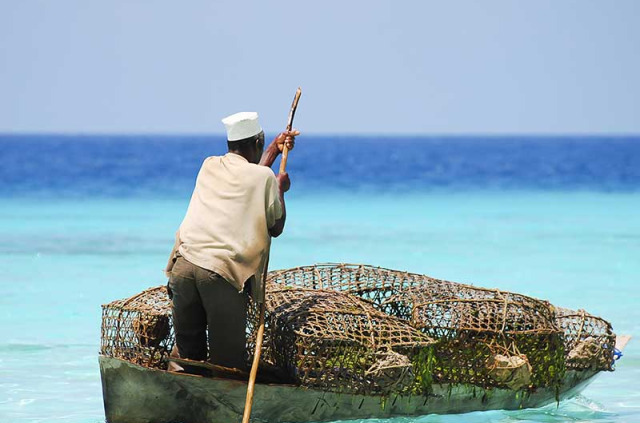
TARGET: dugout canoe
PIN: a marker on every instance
(137, 394)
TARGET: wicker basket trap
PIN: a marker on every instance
(484, 337)
(139, 329)
(339, 342)
(589, 340)
(482, 333)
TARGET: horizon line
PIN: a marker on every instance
(70, 134)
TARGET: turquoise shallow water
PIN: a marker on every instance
(62, 258)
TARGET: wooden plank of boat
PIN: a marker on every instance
(136, 394)
(268, 373)
(212, 369)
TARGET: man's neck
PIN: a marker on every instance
(241, 154)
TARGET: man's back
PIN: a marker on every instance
(226, 225)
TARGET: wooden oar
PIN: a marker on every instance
(260, 335)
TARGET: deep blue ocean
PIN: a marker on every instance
(85, 220)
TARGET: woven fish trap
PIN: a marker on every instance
(476, 326)
(374, 284)
(338, 342)
(589, 340)
(138, 329)
(472, 326)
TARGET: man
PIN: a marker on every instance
(222, 246)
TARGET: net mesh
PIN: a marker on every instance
(139, 328)
(364, 329)
(339, 342)
(589, 340)
(472, 326)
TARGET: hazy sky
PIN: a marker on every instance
(364, 66)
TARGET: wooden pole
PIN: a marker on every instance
(256, 359)
(292, 113)
(260, 335)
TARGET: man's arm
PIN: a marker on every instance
(275, 148)
(268, 157)
(283, 186)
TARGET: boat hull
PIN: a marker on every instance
(136, 394)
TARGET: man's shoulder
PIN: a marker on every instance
(261, 172)
(211, 160)
(240, 167)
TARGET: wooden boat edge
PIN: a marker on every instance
(136, 394)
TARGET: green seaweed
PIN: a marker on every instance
(423, 364)
(350, 358)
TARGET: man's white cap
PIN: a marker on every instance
(242, 125)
